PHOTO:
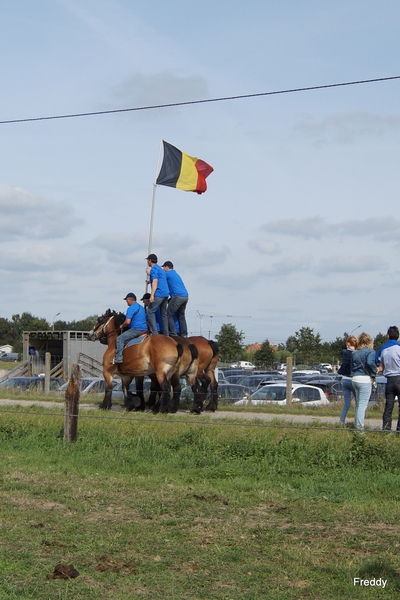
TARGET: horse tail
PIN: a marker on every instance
(179, 348)
(214, 347)
(194, 352)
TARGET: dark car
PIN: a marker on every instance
(337, 389)
(29, 384)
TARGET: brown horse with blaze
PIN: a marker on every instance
(156, 355)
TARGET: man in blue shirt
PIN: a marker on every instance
(388, 356)
(159, 293)
(178, 299)
(135, 320)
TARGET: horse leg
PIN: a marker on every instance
(153, 402)
(165, 394)
(201, 396)
(140, 404)
(213, 403)
(108, 378)
(176, 393)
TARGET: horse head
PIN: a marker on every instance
(103, 327)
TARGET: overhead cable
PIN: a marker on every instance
(205, 101)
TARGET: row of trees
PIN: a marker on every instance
(11, 330)
(305, 346)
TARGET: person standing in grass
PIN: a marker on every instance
(388, 356)
(363, 372)
(345, 372)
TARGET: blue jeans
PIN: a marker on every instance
(129, 334)
(151, 314)
(348, 390)
(363, 394)
(177, 304)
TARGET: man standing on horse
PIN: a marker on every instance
(135, 320)
(159, 293)
(178, 300)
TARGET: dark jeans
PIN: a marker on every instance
(391, 391)
(177, 305)
(151, 314)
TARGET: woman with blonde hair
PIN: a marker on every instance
(363, 372)
(345, 372)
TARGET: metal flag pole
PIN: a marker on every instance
(153, 203)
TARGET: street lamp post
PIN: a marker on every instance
(52, 326)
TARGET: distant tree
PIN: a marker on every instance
(307, 345)
(8, 332)
(338, 345)
(379, 340)
(291, 343)
(82, 325)
(230, 342)
(265, 356)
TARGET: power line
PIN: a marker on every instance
(221, 99)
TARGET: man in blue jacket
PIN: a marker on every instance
(178, 299)
(135, 320)
(388, 356)
(159, 293)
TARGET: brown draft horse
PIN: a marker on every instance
(157, 356)
(208, 360)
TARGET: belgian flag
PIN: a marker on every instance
(179, 170)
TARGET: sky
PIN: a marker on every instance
(300, 224)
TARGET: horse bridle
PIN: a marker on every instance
(103, 335)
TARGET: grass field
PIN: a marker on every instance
(164, 509)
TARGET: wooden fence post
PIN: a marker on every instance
(71, 407)
(289, 373)
(47, 369)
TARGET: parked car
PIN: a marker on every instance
(229, 392)
(337, 389)
(243, 364)
(29, 384)
(118, 393)
(253, 381)
(90, 385)
(9, 356)
(276, 394)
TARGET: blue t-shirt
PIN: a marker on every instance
(137, 314)
(175, 284)
(162, 290)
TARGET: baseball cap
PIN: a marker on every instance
(146, 296)
(152, 257)
(168, 264)
(130, 295)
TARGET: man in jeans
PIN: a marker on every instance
(159, 293)
(389, 358)
(135, 321)
(178, 300)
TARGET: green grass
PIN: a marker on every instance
(164, 509)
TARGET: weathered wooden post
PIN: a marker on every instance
(289, 373)
(47, 369)
(71, 407)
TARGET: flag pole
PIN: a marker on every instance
(153, 203)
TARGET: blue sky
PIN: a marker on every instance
(300, 224)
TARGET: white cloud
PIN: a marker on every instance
(345, 263)
(264, 246)
(345, 128)
(25, 215)
(309, 227)
(159, 88)
(288, 265)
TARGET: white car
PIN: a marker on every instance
(275, 393)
